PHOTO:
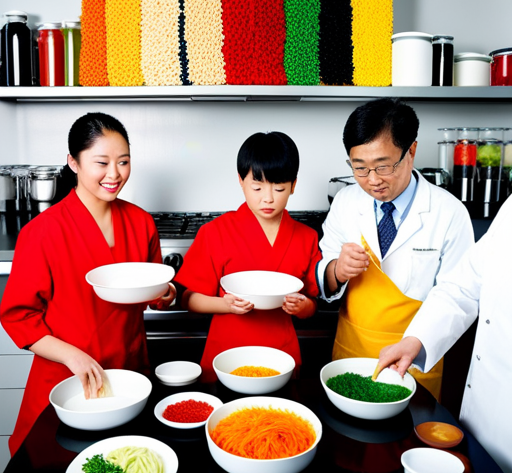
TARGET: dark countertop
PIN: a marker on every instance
(347, 444)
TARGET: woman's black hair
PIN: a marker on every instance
(88, 128)
(271, 156)
(371, 120)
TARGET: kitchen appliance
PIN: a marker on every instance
(437, 176)
(338, 183)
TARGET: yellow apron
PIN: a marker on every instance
(373, 305)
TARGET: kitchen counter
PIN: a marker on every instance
(347, 445)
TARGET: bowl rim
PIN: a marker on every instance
(405, 457)
(187, 395)
(192, 365)
(263, 399)
(170, 269)
(368, 403)
(243, 348)
(236, 293)
(124, 406)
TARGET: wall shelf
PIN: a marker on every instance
(243, 93)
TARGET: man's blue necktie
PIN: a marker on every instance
(386, 229)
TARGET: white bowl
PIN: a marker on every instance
(430, 460)
(362, 409)
(130, 391)
(130, 283)
(215, 402)
(235, 464)
(104, 447)
(265, 289)
(227, 361)
(178, 373)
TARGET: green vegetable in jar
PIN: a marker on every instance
(489, 155)
(362, 388)
(97, 464)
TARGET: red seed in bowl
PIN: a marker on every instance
(189, 411)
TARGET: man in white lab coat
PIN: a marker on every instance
(389, 238)
(480, 285)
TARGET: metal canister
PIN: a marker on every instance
(50, 43)
(72, 43)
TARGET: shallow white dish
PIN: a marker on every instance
(130, 393)
(366, 367)
(265, 289)
(178, 373)
(215, 402)
(227, 361)
(166, 453)
(130, 283)
(430, 460)
(236, 464)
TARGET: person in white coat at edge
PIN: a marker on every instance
(384, 279)
(480, 287)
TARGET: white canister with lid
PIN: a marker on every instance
(472, 69)
(411, 59)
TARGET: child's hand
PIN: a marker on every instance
(295, 303)
(237, 305)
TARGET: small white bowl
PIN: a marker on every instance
(362, 409)
(130, 283)
(236, 464)
(430, 460)
(178, 373)
(265, 289)
(227, 361)
(215, 402)
(130, 392)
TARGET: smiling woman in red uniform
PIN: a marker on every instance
(260, 235)
(48, 307)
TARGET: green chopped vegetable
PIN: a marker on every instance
(489, 155)
(361, 388)
(97, 464)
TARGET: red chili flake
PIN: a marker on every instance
(188, 411)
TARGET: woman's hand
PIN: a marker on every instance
(299, 305)
(165, 301)
(236, 305)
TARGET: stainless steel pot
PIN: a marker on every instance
(43, 183)
(7, 189)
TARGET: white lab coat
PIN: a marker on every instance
(429, 242)
(482, 280)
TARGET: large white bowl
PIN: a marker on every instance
(265, 289)
(430, 460)
(235, 464)
(366, 367)
(130, 391)
(178, 373)
(130, 283)
(215, 402)
(227, 361)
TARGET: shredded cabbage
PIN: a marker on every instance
(136, 460)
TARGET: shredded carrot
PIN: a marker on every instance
(264, 433)
(255, 371)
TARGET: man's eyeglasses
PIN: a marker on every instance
(384, 170)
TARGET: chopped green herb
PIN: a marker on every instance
(361, 388)
(97, 464)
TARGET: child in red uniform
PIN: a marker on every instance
(260, 235)
(48, 307)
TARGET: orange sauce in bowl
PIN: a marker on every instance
(439, 434)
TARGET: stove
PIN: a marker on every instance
(177, 230)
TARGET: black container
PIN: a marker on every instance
(442, 60)
(16, 45)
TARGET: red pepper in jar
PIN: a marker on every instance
(465, 154)
(188, 411)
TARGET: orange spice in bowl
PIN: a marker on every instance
(254, 371)
(439, 434)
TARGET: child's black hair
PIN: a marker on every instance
(272, 157)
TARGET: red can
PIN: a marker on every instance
(501, 66)
(50, 43)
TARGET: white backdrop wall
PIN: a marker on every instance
(184, 153)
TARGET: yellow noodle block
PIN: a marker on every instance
(254, 371)
(204, 37)
(123, 42)
(372, 28)
(160, 46)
